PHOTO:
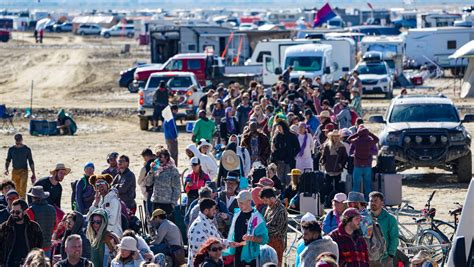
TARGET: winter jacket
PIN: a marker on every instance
(344, 118)
(242, 116)
(313, 249)
(361, 145)
(160, 97)
(208, 165)
(77, 229)
(286, 148)
(45, 215)
(305, 161)
(111, 204)
(204, 128)
(200, 230)
(225, 133)
(331, 221)
(333, 163)
(352, 249)
(256, 227)
(166, 185)
(131, 263)
(126, 184)
(389, 226)
(263, 146)
(33, 237)
(170, 130)
(84, 195)
(198, 181)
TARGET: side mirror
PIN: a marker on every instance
(327, 70)
(468, 118)
(278, 71)
(376, 119)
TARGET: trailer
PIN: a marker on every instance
(435, 45)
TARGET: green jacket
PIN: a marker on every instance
(389, 226)
(203, 129)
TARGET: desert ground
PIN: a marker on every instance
(80, 74)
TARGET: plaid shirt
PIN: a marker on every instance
(352, 249)
(277, 220)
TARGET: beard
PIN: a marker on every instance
(17, 219)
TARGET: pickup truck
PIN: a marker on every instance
(185, 92)
(209, 70)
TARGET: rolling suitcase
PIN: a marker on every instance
(311, 203)
(311, 182)
(391, 186)
(386, 164)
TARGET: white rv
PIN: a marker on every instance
(272, 52)
(391, 47)
(428, 20)
(310, 60)
(435, 45)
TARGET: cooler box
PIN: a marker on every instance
(43, 127)
(391, 186)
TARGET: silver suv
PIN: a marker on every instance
(119, 30)
(426, 131)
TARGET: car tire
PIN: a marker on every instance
(82, 33)
(144, 123)
(463, 168)
(106, 35)
(131, 88)
(389, 95)
(130, 35)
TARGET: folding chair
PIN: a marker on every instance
(6, 118)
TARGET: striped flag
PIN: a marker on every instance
(324, 14)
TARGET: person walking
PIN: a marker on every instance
(20, 156)
(361, 147)
(44, 214)
(389, 226)
(204, 128)
(103, 242)
(160, 101)
(276, 218)
(83, 193)
(74, 250)
(18, 236)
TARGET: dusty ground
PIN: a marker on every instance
(74, 72)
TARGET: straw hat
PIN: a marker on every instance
(230, 161)
(334, 133)
(324, 114)
(60, 166)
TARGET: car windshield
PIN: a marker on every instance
(372, 69)
(424, 113)
(304, 63)
(171, 82)
(390, 63)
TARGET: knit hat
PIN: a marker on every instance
(89, 165)
(350, 213)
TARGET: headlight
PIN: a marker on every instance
(444, 139)
(456, 137)
(432, 139)
(407, 139)
(418, 139)
(384, 80)
(393, 138)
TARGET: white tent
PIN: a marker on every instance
(43, 23)
(467, 51)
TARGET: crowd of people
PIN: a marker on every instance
(248, 152)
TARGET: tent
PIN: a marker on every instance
(466, 51)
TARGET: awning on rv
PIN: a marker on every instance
(466, 50)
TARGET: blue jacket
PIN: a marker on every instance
(299, 249)
(84, 195)
(169, 128)
(313, 124)
(330, 222)
(256, 227)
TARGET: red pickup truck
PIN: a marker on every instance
(209, 69)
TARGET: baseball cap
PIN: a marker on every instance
(308, 217)
(112, 155)
(244, 195)
(340, 197)
(195, 161)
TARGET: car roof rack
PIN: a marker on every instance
(440, 95)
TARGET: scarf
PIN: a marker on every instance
(303, 146)
(229, 120)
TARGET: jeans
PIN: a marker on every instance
(160, 248)
(363, 174)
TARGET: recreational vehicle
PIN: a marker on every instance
(436, 20)
(392, 49)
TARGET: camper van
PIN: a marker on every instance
(435, 45)
(310, 60)
(429, 20)
(392, 49)
(272, 52)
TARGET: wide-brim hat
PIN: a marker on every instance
(355, 197)
(60, 166)
(295, 172)
(38, 191)
(128, 243)
(230, 161)
(106, 177)
(334, 133)
(324, 114)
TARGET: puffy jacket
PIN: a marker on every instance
(111, 204)
(33, 237)
(166, 185)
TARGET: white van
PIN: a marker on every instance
(310, 60)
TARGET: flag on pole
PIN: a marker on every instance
(370, 5)
(324, 14)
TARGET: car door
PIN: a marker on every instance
(269, 76)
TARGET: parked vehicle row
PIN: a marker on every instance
(118, 30)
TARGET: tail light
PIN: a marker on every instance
(142, 99)
(189, 93)
(190, 102)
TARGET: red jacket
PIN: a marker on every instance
(361, 146)
(352, 249)
(197, 180)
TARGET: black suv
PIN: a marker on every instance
(426, 131)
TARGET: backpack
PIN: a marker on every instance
(376, 244)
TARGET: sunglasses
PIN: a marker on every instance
(96, 222)
(215, 249)
(100, 183)
(17, 212)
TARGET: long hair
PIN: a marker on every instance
(36, 258)
(204, 251)
(96, 238)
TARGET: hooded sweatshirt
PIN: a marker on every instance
(77, 230)
(208, 165)
(318, 246)
(361, 145)
(106, 246)
(111, 204)
(244, 155)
